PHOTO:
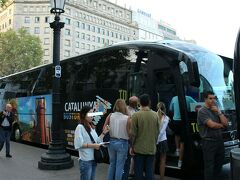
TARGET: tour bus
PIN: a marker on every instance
(162, 69)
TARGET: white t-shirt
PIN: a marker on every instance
(163, 135)
(82, 137)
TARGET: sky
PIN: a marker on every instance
(213, 24)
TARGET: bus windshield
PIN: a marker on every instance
(215, 74)
(214, 77)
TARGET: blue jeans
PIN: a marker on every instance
(87, 170)
(141, 161)
(117, 150)
(6, 137)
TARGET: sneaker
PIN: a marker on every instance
(179, 163)
(8, 155)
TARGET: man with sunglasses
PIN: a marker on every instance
(211, 121)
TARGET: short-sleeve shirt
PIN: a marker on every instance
(204, 114)
(174, 106)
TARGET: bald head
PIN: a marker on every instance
(133, 101)
(8, 107)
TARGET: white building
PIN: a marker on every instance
(147, 26)
(89, 24)
(151, 29)
(168, 31)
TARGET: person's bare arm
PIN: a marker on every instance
(214, 125)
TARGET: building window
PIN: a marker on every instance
(93, 38)
(66, 53)
(83, 35)
(37, 19)
(83, 25)
(88, 27)
(88, 37)
(38, 9)
(37, 30)
(27, 20)
(103, 31)
(88, 47)
(9, 21)
(68, 21)
(98, 39)
(67, 32)
(93, 47)
(47, 19)
(25, 9)
(46, 30)
(83, 45)
(78, 24)
(95, 4)
(98, 30)
(46, 52)
(77, 44)
(77, 34)
(44, 8)
(46, 61)
(93, 28)
(31, 8)
(67, 42)
(46, 41)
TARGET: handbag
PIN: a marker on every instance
(101, 154)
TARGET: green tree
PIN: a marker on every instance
(19, 51)
(3, 3)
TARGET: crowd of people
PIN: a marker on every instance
(138, 138)
(132, 147)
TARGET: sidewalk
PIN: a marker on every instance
(24, 166)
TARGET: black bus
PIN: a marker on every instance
(163, 69)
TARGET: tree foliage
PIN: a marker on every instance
(19, 51)
(3, 3)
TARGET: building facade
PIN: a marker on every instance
(147, 26)
(151, 29)
(168, 31)
(89, 24)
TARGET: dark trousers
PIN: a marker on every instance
(6, 134)
(213, 156)
(141, 163)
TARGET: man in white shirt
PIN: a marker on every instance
(6, 120)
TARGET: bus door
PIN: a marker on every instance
(167, 81)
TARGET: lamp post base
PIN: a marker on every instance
(55, 158)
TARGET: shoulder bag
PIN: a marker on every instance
(101, 154)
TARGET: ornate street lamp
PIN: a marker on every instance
(56, 157)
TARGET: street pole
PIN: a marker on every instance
(56, 157)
